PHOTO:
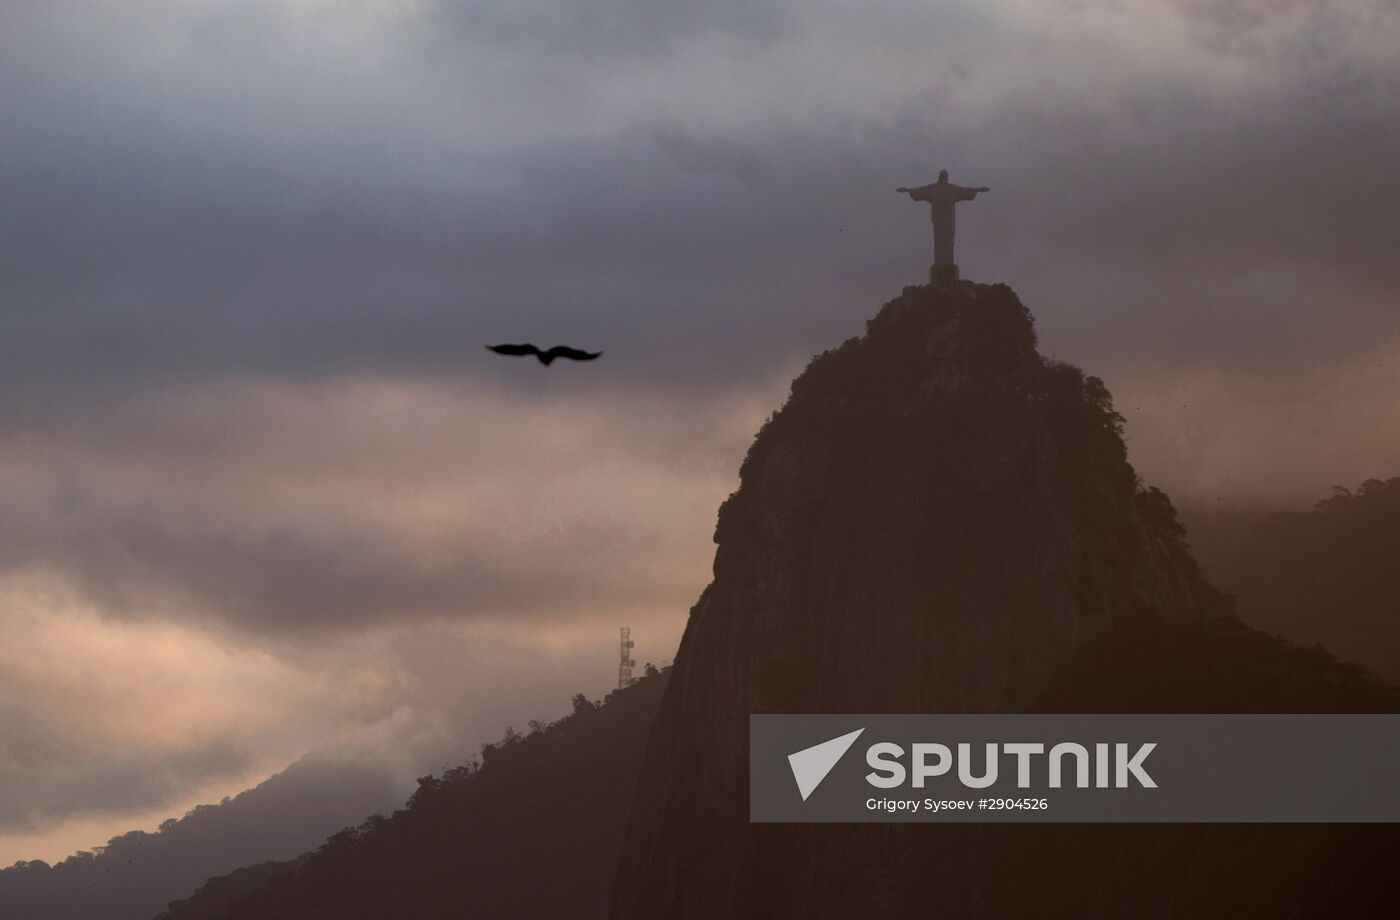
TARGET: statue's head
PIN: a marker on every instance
(943, 175)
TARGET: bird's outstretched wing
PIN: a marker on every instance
(518, 350)
(574, 354)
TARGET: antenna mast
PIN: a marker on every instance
(626, 664)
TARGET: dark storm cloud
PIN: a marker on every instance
(144, 236)
(191, 271)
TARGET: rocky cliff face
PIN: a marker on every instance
(938, 520)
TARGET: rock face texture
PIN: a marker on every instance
(938, 520)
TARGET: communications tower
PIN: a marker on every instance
(626, 664)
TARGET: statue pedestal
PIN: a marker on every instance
(942, 274)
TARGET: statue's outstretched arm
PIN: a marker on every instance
(918, 194)
(963, 192)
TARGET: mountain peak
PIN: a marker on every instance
(931, 494)
(937, 520)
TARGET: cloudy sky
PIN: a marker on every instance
(263, 491)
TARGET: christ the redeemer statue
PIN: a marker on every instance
(943, 195)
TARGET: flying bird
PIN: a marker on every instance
(546, 357)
